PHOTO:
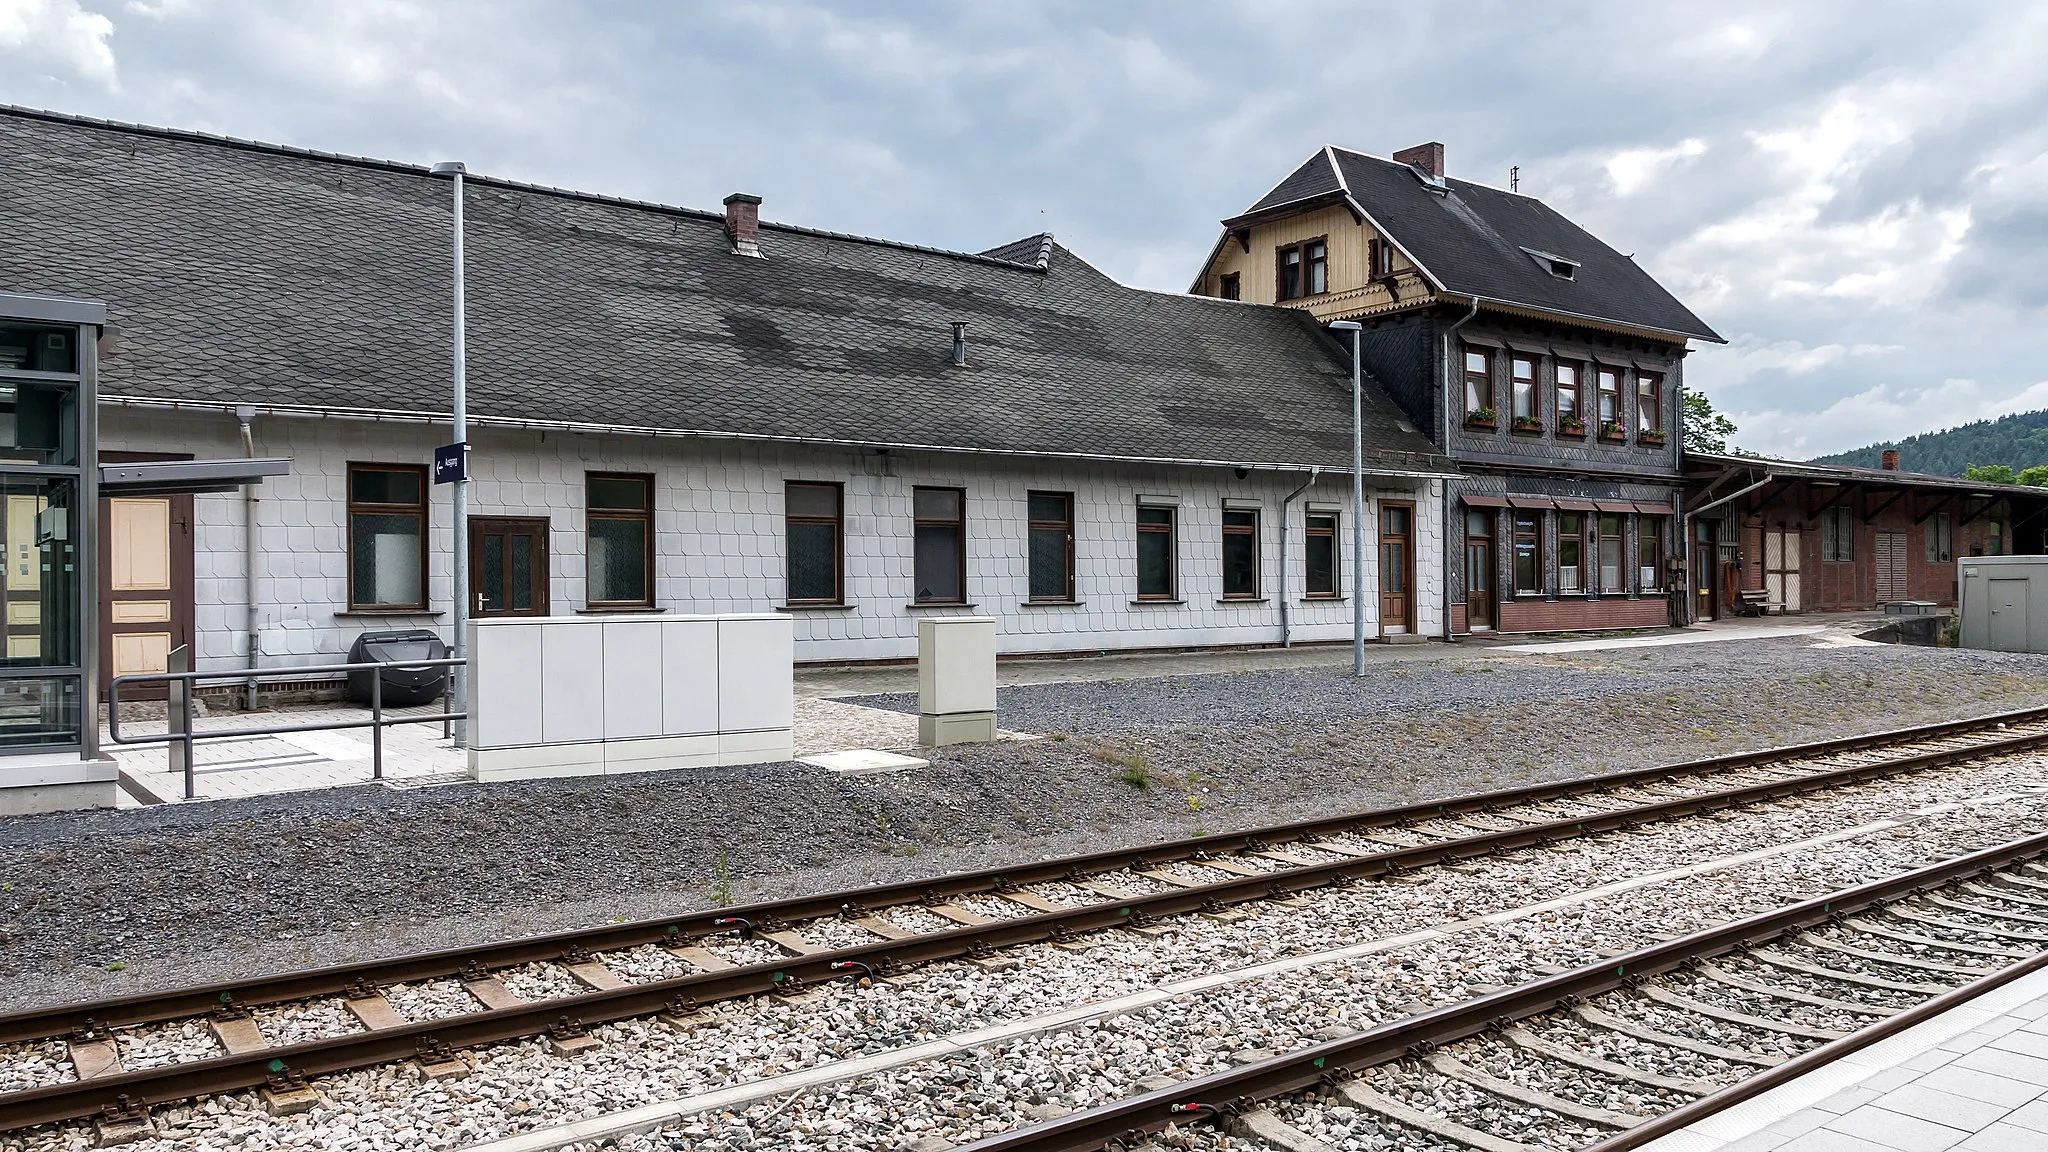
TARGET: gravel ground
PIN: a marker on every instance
(110, 902)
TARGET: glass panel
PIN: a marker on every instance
(938, 562)
(1049, 563)
(618, 493)
(1568, 551)
(1240, 564)
(1525, 396)
(813, 562)
(1478, 568)
(1610, 554)
(1048, 507)
(618, 561)
(1527, 578)
(1155, 516)
(39, 423)
(387, 560)
(1393, 568)
(1322, 564)
(1646, 559)
(1233, 518)
(935, 504)
(1478, 524)
(39, 712)
(821, 500)
(494, 573)
(1394, 521)
(522, 573)
(1155, 564)
(1475, 362)
(39, 347)
(39, 579)
(383, 486)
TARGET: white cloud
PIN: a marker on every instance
(60, 32)
(1749, 355)
(1633, 170)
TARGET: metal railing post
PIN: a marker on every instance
(178, 714)
(377, 724)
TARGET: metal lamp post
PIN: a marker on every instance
(1357, 498)
(459, 577)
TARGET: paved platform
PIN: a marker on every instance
(1974, 1079)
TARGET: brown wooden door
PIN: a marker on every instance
(1397, 566)
(1705, 578)
(1479, 575)
(145, 579)
(508, 566)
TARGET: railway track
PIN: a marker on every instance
(275, 1032)
(1613, 1055)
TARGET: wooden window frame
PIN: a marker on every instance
(1534, 538)
(1651, 422)
(1479, 384)
(1578, 536)
(1535, 388)
(1252, 531)
(1172, 531)
(1230, 286)
(1602, 374)
(959, 523)
(1379, 258)
(1833, 548)
(419, 511)
(1065, 526)
(1650, 532)
(1620, 538)
(1940, 529)
(1335, 534)
(1301, 249)
(1576, 388)
(838, 523)
(645, 517)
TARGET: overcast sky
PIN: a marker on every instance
(1855, 193)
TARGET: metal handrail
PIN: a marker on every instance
(178, 704)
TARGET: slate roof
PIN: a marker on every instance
(1469, 240)
(1701, 464)
(249, 273)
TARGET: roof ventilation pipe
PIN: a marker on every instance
(959, 343)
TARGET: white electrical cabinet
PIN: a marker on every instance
(2003, 603)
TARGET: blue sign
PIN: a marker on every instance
(451, 463)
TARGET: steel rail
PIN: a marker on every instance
(685, 993)
(150, 1007)
(1332, 1062)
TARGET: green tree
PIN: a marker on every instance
(1990, 474)
(1705, 429)
(2035, 477)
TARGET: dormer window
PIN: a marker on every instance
(1562, 267)
(1304, 269)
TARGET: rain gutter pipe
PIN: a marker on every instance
(1286, 624)
(245, 415)
(1450, 549)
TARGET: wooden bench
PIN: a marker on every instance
(1753, 602)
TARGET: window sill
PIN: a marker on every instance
(380, 613)
(1054, 603)
(1240, 599)
(1153, 603)
(920, 605)
(816, 607)
(1526, 431)
(1322, 599)
(636, 610)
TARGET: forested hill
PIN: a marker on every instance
(2019, 441)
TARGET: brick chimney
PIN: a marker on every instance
(1428, 157)
(1891, 459)
(743, 223)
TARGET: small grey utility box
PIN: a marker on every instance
(956, 680)
(2004, 603)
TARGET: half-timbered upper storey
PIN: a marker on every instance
(1347, 235)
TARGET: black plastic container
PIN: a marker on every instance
(402, 685)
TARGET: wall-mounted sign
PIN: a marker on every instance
(451, 463)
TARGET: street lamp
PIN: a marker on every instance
(459, 577)
(1357, 498)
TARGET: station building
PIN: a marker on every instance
(688, 411)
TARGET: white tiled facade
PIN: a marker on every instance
(719, 537)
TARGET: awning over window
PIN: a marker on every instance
(1613, 506)
(176, 477)
(1654, 509)
(1474, 501)
(1531, 502)
(1575, 505)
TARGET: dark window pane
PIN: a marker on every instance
(1049, 563)
(1240, 564)
(1155, 564)
(387, 560)
(382, 486)
(935, 504)
(522, 573)
(1478, 524)
(38, 348)
(1394, 521)
(1393, 567)
(618, 493)
(1322, 565)
(39, 712)
(1526, 579)
(494, 573)
(1048, 506)
(1478, 568)
(938, 562)
(1240, 519)
(821, 500)
(618, 561)
(1155, 516)
(813, 562)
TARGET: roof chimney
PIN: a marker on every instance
(743, 223)
(1428, 157)
(1891, 459)
(959, 343)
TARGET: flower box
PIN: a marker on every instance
(1654, 437)
(1485, 418)
(1527, 426)
(1612, 431)
(1570, 427)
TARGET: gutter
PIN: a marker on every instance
(595, 429)
(1286, 623)
(1444, 517)
(1685, 533)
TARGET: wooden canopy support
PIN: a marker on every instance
(1841, 494)
(1940, 504)
(1874, 513)
(1973, 517)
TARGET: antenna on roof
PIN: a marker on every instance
(1514, 177)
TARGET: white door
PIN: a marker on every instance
(1781, 571)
